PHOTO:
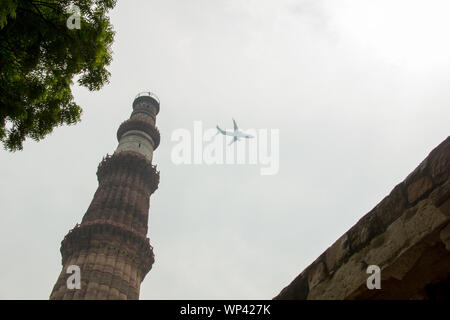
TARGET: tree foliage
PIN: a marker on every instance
(39, 58)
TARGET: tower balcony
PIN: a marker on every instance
(146, 101)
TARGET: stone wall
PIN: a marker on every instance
(407, 235)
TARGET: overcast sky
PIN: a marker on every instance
(359, 91)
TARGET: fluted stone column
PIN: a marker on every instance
(110, 245)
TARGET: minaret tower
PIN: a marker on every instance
(110, 246)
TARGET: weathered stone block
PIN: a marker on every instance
(440, 162)
(404, 263)
(350, 276)
(445, 236)
(337, 252)
(418, 188)
(391, 207)
(441, 198)
(317, 273)
(367, 228)
(414, 225)
(297, 289)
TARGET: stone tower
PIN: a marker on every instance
(110, 246)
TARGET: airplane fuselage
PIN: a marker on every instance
(237, 134)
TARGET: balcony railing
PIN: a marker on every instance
(147, 94)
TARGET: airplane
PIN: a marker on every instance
(236, 134)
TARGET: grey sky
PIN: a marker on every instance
(358, 89)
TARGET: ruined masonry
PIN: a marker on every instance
(407, 235)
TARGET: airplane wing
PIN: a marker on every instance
(234, 140)
(235, 125)
(220, 130)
